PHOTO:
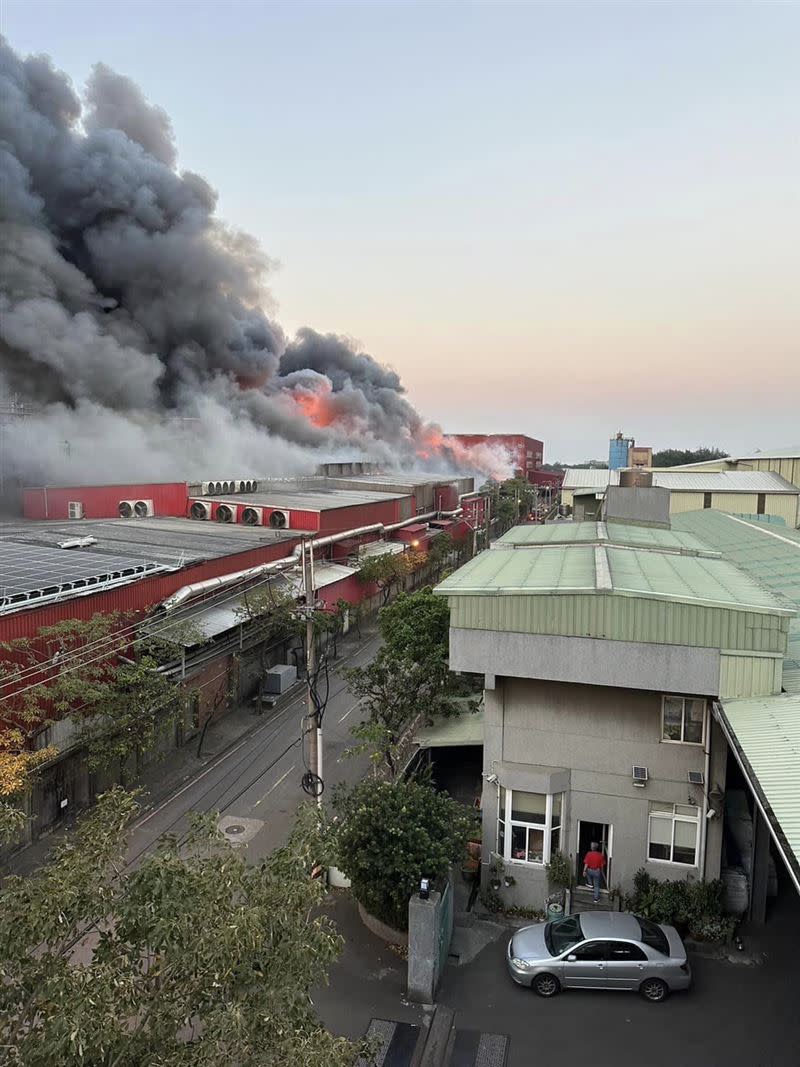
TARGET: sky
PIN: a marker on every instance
(555, 219)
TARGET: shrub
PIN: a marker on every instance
(559, 870)
(391, 834)
(693, 907)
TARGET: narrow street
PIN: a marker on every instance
(254, 784)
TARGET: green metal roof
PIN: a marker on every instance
(562, 568)
(613, 533)
(767, 735)
(465, 729)
(768, 553)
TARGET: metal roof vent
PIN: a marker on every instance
(279, 520)
(225, 513)
(200, 510)
(252, 516)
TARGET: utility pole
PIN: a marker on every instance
(313, 725)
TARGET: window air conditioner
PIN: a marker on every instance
(640, 776)
(695, 777)
(200, 509)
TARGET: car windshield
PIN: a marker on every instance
(563, 934)
(653, 935)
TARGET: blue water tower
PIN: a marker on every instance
(618, 451)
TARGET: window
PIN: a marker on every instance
(528, 825)
(593, 950)
(623, 951)
(563, 934)
(682, 720)
(672, 833)
(653, 935)
(706, 500)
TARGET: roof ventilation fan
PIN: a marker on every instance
(279, 520)
(225, 513)
(143, 509)
(200, 510)
(252, 516)
(125, 509)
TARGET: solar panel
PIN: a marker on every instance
(32, 572)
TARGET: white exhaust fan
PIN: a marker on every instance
(253, 516)
(246, 486)
(279, 520)
(75, 509)
(200, 509)
(135, 509)
(225, 513)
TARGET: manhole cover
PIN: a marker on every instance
(237, 828)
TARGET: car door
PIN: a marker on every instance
(585, 965)
(626, 965)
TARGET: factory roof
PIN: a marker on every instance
(172, 542)
(688, 481)
(792, 452)
(35, 574)
(317, 498)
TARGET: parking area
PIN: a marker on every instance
(736, 1014)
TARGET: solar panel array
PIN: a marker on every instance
(31, 572)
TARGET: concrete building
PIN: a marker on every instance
(741, 492)
(608, 650)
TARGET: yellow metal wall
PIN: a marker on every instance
(749, 676)
(785, 505)
(679, 502)
(566, 497)
(736, 503)
(788, 467)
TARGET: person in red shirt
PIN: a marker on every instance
(593, 863)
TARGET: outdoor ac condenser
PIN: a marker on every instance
(280, 679)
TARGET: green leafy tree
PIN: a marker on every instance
(416, 627)
(194, 959)
(389, 569)
(677, 457)
(392, 834)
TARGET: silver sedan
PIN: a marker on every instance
(600, 950)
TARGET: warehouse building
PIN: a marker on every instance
(782, 461)
(742, 492)
(612, 653)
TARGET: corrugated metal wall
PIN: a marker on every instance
(102, 501)
(749, 676)
(623, 619)
(784, 505)
(338, 519)
(679, 502)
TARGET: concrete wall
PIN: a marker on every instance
(586, 739)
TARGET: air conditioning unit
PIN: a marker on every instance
(225, 513)
(252, 516)
(75, 509)
(200, 509)
(135, 509)
(695, 778)
(279, 520)
(640, 776)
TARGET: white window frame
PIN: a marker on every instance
(504, 817)
(673, 741)
(674, 818)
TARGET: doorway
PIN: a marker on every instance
(603, 834)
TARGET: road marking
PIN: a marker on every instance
(282, 778)
(349, 710)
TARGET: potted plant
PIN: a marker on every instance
(495, 871)
(559, 871)
(509, 880)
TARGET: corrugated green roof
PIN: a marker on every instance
(768, 553)
(613, 533)
(767, 731)
(464, 729)
(565, 568)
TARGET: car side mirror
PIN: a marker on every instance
(571, 958)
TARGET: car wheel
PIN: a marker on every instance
(654, 989)
(546, 985)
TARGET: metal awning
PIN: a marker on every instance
(764, 735)
(452, 732)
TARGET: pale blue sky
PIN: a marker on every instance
(558, 219)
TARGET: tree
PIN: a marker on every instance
(677, 457)
(194, 958)
(96, 672)
(392, 834)
(388, 569)
(416, 627)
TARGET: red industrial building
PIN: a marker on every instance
(526, 454)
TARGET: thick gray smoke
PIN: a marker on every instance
(132, 320)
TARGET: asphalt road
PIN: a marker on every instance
(255, 783)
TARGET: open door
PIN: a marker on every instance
(603, 834)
